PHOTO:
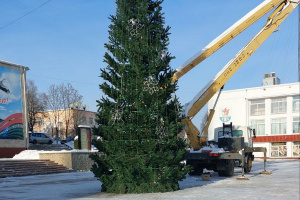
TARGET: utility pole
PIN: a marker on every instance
(298, 43)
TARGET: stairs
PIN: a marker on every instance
(15, 167)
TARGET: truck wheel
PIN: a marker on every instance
(248, 166)
(197, 171)
(221, 173)
(230, 168)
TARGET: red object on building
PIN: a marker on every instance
(277, 138)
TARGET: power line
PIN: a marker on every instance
(24, 15)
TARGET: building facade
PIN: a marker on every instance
(272, 110)
(64, 122)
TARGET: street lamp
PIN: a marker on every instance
(76, 106)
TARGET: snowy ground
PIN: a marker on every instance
(282, 184)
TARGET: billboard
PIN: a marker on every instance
(11, 105)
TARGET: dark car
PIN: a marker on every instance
(69, 138)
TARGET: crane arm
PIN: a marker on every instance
(226, 36)
(193, 107)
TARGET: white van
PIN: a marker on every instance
(41, 138)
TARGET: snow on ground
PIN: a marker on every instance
(71, 145)
(34, 154)
(28, 154)
(282, 184)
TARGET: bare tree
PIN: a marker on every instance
(35, 103)
(54, 103)
(203, 122)
(69, 96)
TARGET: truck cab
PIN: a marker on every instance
(233, 137)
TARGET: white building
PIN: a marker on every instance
(272, 110)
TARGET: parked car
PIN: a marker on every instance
(69, 138)
(41, 138)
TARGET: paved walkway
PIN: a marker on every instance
(282, 184)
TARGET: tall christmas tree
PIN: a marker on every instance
(139, 116)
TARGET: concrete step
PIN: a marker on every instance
(17, 167)
(4, 175)
(29, 169)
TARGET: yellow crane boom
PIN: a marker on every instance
(193, 107)
(226, 36)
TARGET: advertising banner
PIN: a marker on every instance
(11, 115)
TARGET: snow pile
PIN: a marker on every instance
(70, 144)
(211, 149)
(225, 136)
(28, 154)
(35, 154)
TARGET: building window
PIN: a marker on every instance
(91, 120)
(296, 147)
(278, 106)
(96, 123)
(278, 149)
(296, 124)
(257, 107)
(40, 121)
(296, 103)
(83, 120)
(278, 126)
(259, 126)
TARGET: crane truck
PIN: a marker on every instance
(233, 147)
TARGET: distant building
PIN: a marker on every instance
(271, 79)
(65, 121)
(272, 110)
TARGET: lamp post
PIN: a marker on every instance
(76, 106)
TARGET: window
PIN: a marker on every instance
(259, 126)
(278, 126)
(296, 103)
(278, 149)
(91, 120)
(40, 121)
(83, 120)
(237, 133)
(296, 124)
(296, 147)
(278, 106)
(257, 107)
(96, 123)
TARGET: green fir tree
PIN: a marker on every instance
(139, 117)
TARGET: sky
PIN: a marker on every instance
(63, 42)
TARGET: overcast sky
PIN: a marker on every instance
(63, 41)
